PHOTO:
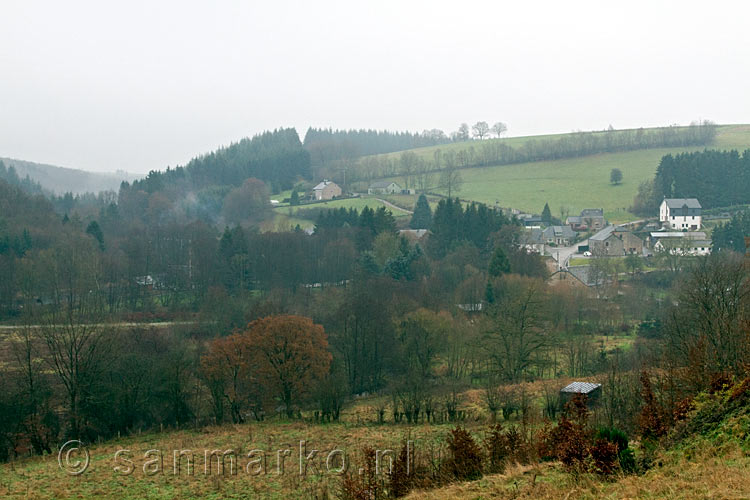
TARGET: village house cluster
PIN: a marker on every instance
(677, 231)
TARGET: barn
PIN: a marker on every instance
(591, 390)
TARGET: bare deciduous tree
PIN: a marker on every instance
(514, 331)
(480, 130)
(499, 129)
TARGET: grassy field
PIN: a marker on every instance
(356, 203)
(717, 474)
(728, 137)
(707, 466)
(575, 183)
(280, 479)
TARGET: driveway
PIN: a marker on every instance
(563, 254)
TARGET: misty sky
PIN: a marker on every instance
(134, 85)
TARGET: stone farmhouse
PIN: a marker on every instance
(326, 190)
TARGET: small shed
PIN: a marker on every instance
(591, 390)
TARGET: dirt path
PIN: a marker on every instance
(393, 207)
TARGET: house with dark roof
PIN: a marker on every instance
(614, 241)
(559, 235)
(683, 214)
(590, 218)
(604, 243)
(530, 220)
(536, 239)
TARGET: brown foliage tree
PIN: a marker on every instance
(650, 421)
(465, 462)
(291, 355)
(227, 368)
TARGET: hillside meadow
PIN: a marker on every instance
(573, 183)
(286, 217)
(44, 479)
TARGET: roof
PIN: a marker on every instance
(592, 212)
(381, 184)
(681, 202)
(696, 235)
(691, 243)
(322, 185)
(574, 219)
(580, 387)
(535, 235)
(603, 234)
(559, 231)
(417, 233)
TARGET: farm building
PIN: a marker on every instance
(384, 187)
(591, 390)
(679, 243)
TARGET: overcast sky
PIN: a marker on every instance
(106, 85)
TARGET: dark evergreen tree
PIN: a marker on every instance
(327, 145)
(277, 158)
(422, 216)
(95, 231)
(731, 234)
(499, 263)
(546, 214)
(489, 293)
(716, 178)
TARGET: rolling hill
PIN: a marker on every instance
(62, 180)
(572, 183)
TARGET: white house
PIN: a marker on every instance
(679, 243)
(384, 187)
(326, 190)
(681, 213)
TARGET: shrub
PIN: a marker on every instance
(719, 382)
(401, 479)
(613, 435)
(363, 486)
(625, 455)
(650, 421)
(740, 391)
(569, 443)
(682, 409)
(605, 457)
(627, 461)
(569, 440)
(465, 462)
(498, 450)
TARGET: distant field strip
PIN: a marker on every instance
(574, 183)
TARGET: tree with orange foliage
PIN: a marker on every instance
(290, 355)
(227, 368)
